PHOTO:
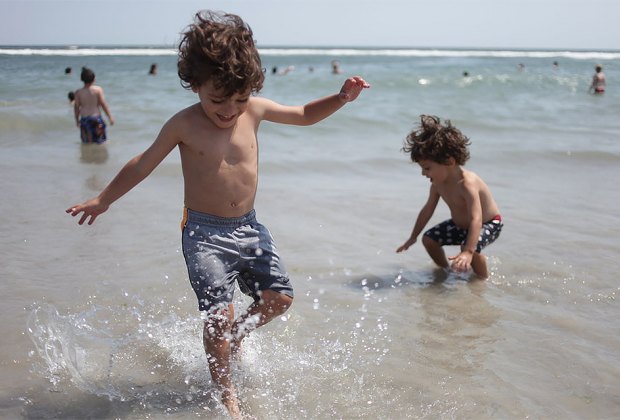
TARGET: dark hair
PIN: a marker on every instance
(437, 142)
(220, 47)
(87, 76)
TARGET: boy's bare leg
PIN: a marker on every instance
(435, 251)
(216, 341)
(479, 265)
(219, 328)
(270, 305)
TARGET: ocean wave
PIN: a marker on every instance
(335, 52)
(340, 52)
(74, 52)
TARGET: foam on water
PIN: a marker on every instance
(330, 52)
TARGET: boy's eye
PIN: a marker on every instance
(243, 100)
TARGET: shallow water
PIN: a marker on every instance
(101, 322)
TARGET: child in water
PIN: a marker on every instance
(441, 151)
(222, 241)
(88, 102)
(598, 81)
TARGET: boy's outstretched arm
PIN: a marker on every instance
(131, 175)
(423, 217)
(316, 110)
(125, 180)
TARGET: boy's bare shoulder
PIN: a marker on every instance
(471, 180)
(259, 103)
(185, 121)
(186, 115)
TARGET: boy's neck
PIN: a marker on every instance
(455, 172)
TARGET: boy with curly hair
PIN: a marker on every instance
(441, 151)
(217, 139)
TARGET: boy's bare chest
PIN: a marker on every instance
(224, 149)
(452, 195)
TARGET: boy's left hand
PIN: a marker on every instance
(461, 262)
(352, 88)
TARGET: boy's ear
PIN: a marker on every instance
(451, 161)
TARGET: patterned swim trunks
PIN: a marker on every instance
(92, 129)
(447, 233)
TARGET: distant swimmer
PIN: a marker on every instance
(336, 67)
(89, 100)
(153, 69)
(598, 81)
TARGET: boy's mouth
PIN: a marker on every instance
(225, 118)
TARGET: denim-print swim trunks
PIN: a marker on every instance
(221, 251)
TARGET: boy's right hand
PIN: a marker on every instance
(406, 245)
(91, 208)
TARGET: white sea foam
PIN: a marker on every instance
(335, 52)
(73, 52)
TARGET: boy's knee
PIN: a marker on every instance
(276, 300)
(430, 243)
(215, 323)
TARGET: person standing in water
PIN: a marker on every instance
(89, 101)
(598, 81)
(222, 241)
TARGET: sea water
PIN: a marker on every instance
(101, 322)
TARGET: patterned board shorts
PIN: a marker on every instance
(447, 233)
(92, 129)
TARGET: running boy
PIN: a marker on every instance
(86, 107)
(222, 241)
(441, 151)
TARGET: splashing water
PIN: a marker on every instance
(134, 354)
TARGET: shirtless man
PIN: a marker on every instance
(89, 100)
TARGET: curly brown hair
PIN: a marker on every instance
(220, 47)
(437, 142)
